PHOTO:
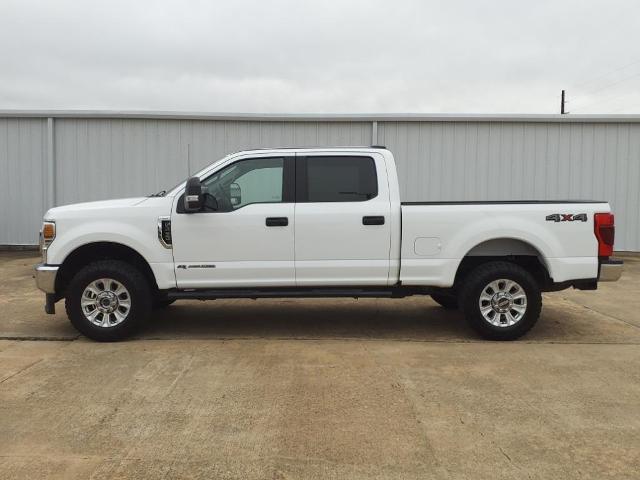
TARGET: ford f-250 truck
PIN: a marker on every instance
(317, 223)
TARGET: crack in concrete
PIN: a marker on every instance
(602, 313)
(180, 375)
(20, 371)
(39, 339)
(322, 339)
(505, 454)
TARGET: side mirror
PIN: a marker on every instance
(193, 195)
(235, 194)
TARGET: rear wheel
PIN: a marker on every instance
(108, 300)
(501, 300)
(448, 301)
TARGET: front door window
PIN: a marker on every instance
(258, 180)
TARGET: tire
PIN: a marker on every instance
(484, 303)
(450, 302)
(112, 286)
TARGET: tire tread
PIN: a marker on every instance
(478, 278)
(135, 282)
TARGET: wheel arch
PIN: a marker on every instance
(506, 248)
(90, 252)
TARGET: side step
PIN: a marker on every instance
(212, 294)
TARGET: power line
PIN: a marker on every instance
(613, 83)
(616, 70)
(583, 97)
(606, 99)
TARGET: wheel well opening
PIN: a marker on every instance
(100, 251)
(510, 250)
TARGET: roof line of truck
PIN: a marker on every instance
(315, 147)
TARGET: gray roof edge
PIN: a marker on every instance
(334, 117)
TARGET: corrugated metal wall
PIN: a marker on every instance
(519, 161)
(107, 158)
(23, 151)
(97, 158)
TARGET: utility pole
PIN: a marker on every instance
(562, 102)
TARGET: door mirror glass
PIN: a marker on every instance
(193, 198)
(235, 194)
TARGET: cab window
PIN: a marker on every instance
(340, 179)
(259, 180)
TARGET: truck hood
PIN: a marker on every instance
(102, 205)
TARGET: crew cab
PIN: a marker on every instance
(321, 222)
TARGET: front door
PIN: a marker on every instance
(247, 239)
(342, 222)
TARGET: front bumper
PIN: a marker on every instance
(610, 270)
(46, 277)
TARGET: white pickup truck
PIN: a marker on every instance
(317, 223)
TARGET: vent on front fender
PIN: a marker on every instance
(164, 231)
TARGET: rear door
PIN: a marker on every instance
(342, 224)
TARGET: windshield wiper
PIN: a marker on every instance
(161, 193)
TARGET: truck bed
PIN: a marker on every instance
(437, 235)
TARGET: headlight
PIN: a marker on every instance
(47, 235)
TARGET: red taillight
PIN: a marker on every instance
(605, 230)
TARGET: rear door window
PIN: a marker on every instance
(339, 179)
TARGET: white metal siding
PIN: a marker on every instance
(445, 158)
(108, 158)
(22, 179)
(521, 161)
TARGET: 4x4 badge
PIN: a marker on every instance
(567, 217)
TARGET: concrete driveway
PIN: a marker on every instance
(358, 389)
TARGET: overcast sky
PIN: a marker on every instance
(483, 56)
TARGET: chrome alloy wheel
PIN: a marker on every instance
(503, 303)
(105, 302)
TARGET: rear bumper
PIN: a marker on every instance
(610, 270)
(46, 277)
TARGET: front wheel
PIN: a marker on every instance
(501, 300)
(108, 300)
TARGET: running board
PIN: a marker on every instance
(212, 294)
